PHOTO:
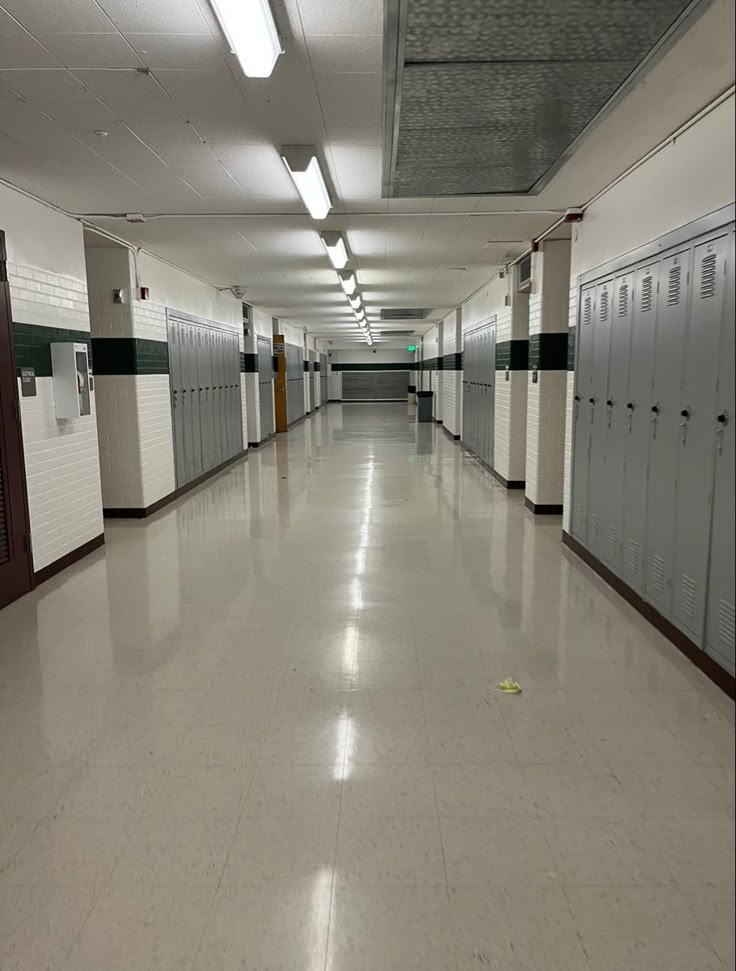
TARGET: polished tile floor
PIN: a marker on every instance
(259, 732)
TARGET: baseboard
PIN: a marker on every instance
(508, 483)
(46, 572)
(682, 642)
(454, 438)
(263, 441)
(143, 512)
(543, 509)
(438, 421)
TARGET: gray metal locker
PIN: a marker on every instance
(636, 448)
(177, 398)
(615, 421)
(323, 378)
(672, 309)
(206, 410)
(598, 412)
(265, 386)
(581, 413)
(697, 433)
(720, 629)
(189, 373)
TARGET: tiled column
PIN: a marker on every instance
(512, 355)
(451, 373)
(547, 376)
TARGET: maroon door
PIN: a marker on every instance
(16, 572)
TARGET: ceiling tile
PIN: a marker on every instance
(346, 53)
(351, 100)
(194, 51)
(356, 17)
(131, 95)
(163, 16)
(20, 50)
(46, 17)
(91, 50)
(45, 87)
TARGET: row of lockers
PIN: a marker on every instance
(204, 364)
(479, 377)
(294, 382)
(265, 387)
(653, 461)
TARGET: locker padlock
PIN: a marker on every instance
(654, 416)
(722, 420)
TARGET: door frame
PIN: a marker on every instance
(16, 473)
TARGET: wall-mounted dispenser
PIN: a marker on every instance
(70, 366)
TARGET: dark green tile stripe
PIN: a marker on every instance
(452, 362)
(407, 366)
(130, 355)
(548, 352)
(571, 349)
(248, 363)
(306, 366)
(33, 345)
(317, 366)
(513, 355)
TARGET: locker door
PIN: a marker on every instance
(177, 398)
(669, 342)
(196, 405)
(615, 422)
(636, 445)
(695, 441)
(208, 361)
(492, 392)
(597, 411)
(721, 612)
(581, 414)
(189, 375)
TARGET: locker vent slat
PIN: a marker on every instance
(674, 286)
(727, 624)
(647, 292)
(687, 594)
(595, 528)
(579, 517)
(632, 556)
(657, 574)
(623, 300)
(604, 305)
(708, 276)
(4, 525)
(612, 541)
(587, 310)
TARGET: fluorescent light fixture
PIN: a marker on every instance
(355, 302)
(347, 281)
(301, 161)
(336, 249)
(251, 33)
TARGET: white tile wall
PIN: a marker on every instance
(567, 471)
(62, 476)
(47, 299)
(244, 409)
(149, 321)
(61, 457)
(253, 408)
(156, 436)
(117, 427)
(546, 411)
(509, 447)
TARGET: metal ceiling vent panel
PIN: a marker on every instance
(485, 98)
(403, 313)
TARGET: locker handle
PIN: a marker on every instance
(654, 409)
(722, 420)
(577, 397)
(630, 405)
(609, 411)
(629, 415)
(609, 403)
(655, 415)
(685, 413)
(591, 401)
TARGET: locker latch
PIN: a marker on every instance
(722, 421)
(653, 418)
(591, 402)
(629, 414)
(684, 419)
(577, 406)
(609, 411)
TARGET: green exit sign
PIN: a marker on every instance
(411, 347)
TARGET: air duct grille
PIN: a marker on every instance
(403, 313)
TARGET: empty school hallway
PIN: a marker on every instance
(261, 729)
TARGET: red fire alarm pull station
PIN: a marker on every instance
(145, 293)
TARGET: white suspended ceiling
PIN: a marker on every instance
(190, 136)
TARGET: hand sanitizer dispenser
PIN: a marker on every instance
(70, 365)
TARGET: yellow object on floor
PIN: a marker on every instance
(509, 686)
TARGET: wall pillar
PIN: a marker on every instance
(512, 357)
(547, 376)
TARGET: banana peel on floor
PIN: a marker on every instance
(508, 686)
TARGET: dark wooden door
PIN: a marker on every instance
(16, 573)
